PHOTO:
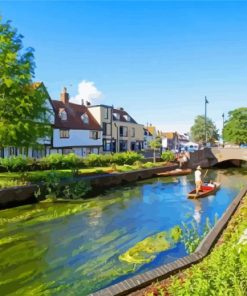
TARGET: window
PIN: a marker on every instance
(106, 129)
(106, 115)
(123, 146)
(133, 132)
(94, 135)
(116, 116)
(126, 117)
(106, 145)
(64, 134)
(62, 114)
(12, 151)
(123, 131)
(85, 118)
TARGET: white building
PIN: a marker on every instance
(75, 128)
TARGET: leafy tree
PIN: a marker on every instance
(23, 114)
(198, 130)
(155, 144)
(235, 129)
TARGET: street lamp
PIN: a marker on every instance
(223, 118)
(206, 102)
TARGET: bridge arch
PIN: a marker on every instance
(209, 157)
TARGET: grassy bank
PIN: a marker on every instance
(223, 272)
(10, 179)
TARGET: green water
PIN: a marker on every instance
(77, 248)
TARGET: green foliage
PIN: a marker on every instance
(114, 167)
(97, 160)
(12, 183)
(16, 163)
(52, 161)
(191, 236)
(52, 185)
(198, 130)
(168, 156)
(148, 165)
(76, 190)
(176, 233)
(138, 164)
(235, 129)
(101, 160)
(155, 144)
(24, 117)
(68, 161)
(128, 157)
(60, 161)
(146, 250)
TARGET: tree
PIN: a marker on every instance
(235, 128)
(198, 130)
(24, 117)
(155, 144)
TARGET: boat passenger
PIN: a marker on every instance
(211, 184)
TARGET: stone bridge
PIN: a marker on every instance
(209, 157)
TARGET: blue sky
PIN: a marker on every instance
(156, 59)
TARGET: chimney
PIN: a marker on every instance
(64, 96)
(82, 102)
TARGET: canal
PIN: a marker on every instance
(77, 248)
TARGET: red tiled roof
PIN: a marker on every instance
(74, 113)
(121, 114)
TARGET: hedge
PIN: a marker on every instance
(69, 161)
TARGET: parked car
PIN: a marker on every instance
(243, 146)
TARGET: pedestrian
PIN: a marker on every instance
(198, 179)
(184, 164)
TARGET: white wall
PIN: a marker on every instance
(96, 112)
(76, 138)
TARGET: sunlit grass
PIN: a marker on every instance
(11, 179)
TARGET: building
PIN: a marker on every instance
(83, 129)
(75, 128)
(126, 132)
(120, 131)
(103, 115)
(170, 140)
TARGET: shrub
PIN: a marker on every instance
(114, 166)
(126, 157)
(148, 165)
(52, 161)
(138, 164)
(16, 163)
(77, 190)
(168, 156)
(11, 183)
(52, 185)
(97, 160)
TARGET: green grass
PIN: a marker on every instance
(10, 179)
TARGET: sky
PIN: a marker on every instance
(156, 59)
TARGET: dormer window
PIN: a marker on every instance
(116, 115)
(126, 117)
(63, 114)
(85, 118)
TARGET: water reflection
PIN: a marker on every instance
(198, 210)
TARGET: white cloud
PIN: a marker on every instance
(87, 91)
